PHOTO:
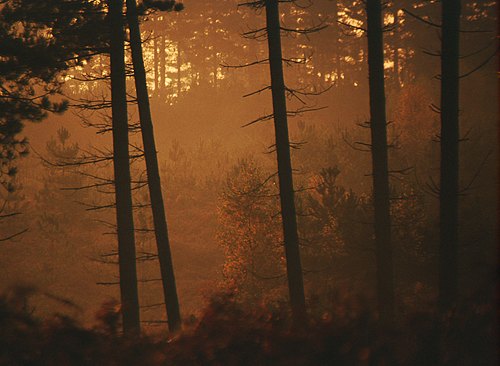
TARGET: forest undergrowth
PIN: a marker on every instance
(229, 333)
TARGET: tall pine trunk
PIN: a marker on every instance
(448, 197)
(121, 160)
(289, 219)
(154, 184)
(378, 127)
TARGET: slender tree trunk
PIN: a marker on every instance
(155, 193)
(121, 160)
(381, 200)
(292, 252)
(448, 197)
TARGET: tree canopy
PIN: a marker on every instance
(41, 40)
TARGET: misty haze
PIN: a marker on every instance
(303, 182)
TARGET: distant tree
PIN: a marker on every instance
(153, 175)
(332, 226)
(121, 165)
(380, 171)
(249, 233)
(56, 219)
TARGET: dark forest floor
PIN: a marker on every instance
(228, 333)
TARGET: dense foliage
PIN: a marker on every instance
(40, 42)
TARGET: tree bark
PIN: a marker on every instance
(154, 183)
(121, 160)
(381, 199)
(289, 219)
(448, 197)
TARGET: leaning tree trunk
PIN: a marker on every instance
(448, 197)
(155, 193)
(289, 219)
(381, 200)
(121, 160)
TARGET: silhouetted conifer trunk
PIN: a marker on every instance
(121, 160)
(378, 127)
(448, 196)
(292, 252)
(154, 184)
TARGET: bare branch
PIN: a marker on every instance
(268, 87)
(13, 235)
(9, 215)
(481, 65)
(476, 174)
(267, 117)
(419, 18)
(435, 108)
(258, 62)
(300, 111)
(257, 34)
(436, 25)
(351, 26)
(304, 31)
(478, 51)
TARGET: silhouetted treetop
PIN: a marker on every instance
(40, 41)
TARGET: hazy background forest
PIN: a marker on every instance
(219, 178)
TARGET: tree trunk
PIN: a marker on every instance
(121, 160)
(448, 197)
(292, 252)
(154, 184)
(381, 200)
